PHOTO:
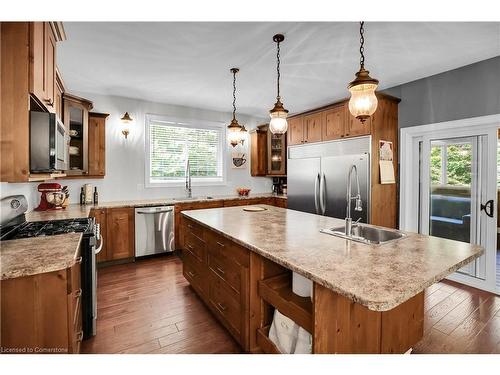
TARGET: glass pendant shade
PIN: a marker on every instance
(363, 102)
(234, 133)
(278, 123)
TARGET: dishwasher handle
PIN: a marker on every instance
(152, 212)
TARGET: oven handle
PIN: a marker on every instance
(101, 243)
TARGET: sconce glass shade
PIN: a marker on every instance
(363, 102)
(278, 123)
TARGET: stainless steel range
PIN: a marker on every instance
(13, 226)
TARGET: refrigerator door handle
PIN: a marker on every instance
(322, 194)
(316, 186)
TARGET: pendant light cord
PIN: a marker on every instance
(362, 43)
(234, 95)
(278, 68)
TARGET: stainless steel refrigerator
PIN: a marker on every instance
(317, 177)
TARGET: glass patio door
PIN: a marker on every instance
(452, 193)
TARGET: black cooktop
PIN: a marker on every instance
(49, 228)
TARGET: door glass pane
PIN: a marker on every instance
(451, 190)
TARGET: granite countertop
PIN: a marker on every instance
(173, 201)
(72, 211)
(31, 256)
(379, 277)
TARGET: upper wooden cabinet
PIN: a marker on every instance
(28, 56)
(97, 143)
(268, 152)
(295, 130)
(333, 126)
(58, 100)
(42, 73)
(329, 123)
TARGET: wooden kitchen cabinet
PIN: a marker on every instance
(100, 218)
(295, 130)
(258, 152)
(28, 53)
(120, 236)
(76, 119)
(97, 144)
(313, 125)
(42, 71)
(43, 312)
(334, 123)
(268, 152)
(354, 127)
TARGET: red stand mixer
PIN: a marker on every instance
(52, 197)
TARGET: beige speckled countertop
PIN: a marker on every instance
(172, 201)
(379, 277)
(31, 256)
(73, 211)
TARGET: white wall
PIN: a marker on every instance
(124, 178)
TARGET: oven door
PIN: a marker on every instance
(61, 146)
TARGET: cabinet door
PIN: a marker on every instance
(50, 68)
(258, 153)
(120, 230)
(276, 154)
(38, 58)
(334, 121)
(312, 127)
(58, 101)
(76, 118)
(96, 146)
(295, 131)
(100, 218)
(354, 127)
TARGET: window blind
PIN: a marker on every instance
(172, 144)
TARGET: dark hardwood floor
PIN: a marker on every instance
(148, 307)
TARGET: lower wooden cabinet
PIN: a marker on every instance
(217, 269)
(118, 231)
(42, 313)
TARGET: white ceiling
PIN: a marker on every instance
(188, 63)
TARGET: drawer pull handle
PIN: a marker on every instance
(79, 260)
(220, 270)
(190, 246)
(192, 274)
(78, 293)
(79, 336)
(221, 306)
(190, 226)
(220, 244)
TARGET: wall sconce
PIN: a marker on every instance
(126, 119)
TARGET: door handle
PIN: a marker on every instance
(322, 194)
(488, 208)
(316, 186)
(101, 244)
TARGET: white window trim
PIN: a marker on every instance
(187, 122)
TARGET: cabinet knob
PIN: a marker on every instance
(49, 101)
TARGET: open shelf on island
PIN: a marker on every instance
(277, 291)
(265, 343)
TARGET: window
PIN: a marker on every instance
(451, 163)
(170, 143)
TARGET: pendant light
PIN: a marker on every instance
(236, 132)
(278, 123)
(363, 102)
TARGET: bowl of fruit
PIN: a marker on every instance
(243, 192)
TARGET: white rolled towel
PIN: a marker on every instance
(288, 336)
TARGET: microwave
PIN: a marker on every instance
(49, 143)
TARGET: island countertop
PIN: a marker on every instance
(379, 277)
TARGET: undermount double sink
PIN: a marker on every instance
(366, 234)
(192, 198)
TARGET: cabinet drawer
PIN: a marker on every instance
(194, 245)
(227, 270)
(225, 248)
(194, 228)
(226, 307)
(194, 274)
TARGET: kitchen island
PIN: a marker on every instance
(366, 298)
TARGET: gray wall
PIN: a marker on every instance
(469, 91)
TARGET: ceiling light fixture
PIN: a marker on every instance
(278, 123)
(236, 132)
(363, 102)
(126, 119)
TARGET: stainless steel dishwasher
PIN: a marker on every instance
(154, 230)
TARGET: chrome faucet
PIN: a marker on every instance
(188, 179)
(359, 204)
